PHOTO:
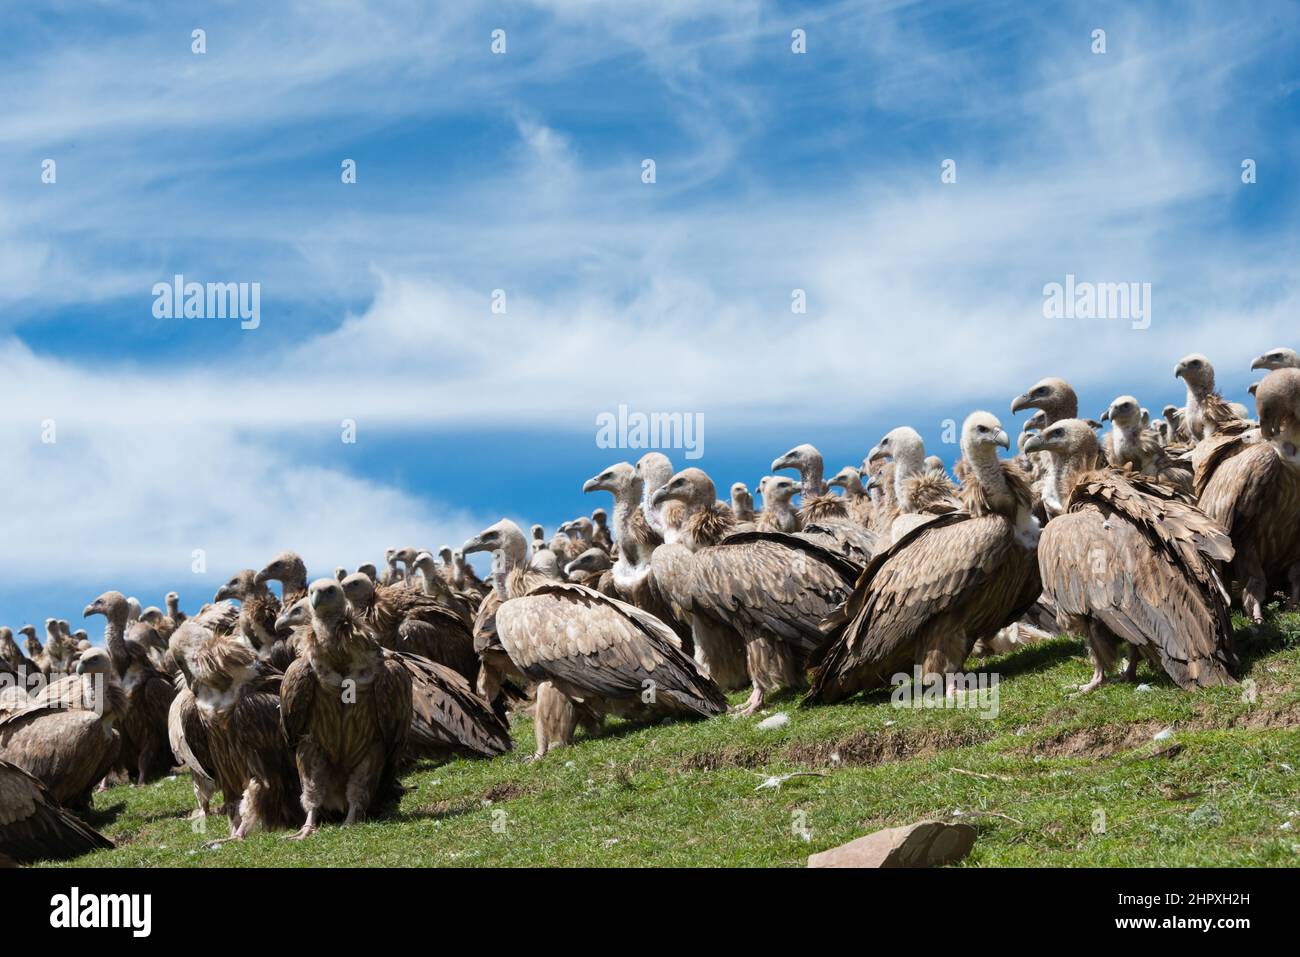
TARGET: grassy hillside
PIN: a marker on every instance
(1222, 789)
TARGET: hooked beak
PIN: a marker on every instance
(475, 544)
(660, 496)
(91, 609)
(784, 462)
(1035, 444)
(1179, 370)
(875, 455)
(1259, 363)
(1002, 439)
(222, 593)
(261, 578)
(1020, 402)
(1105, 416)
(591, 485)
(282, 623)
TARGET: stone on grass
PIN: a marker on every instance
(923, 844)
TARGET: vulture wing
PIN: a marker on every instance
(32, 825)
(953, 574)
(1143, 564)
(769, 583)
(187, 735)
(448, 718)
(591, 644)
(442, 637)
(297, 696)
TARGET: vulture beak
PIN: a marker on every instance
(660, 495)
(222, 593)
(81, 667)
(1179, 370)
(261, 578)
(874, 456)
(1253, 387)
(1259, 363)
(1020, 402)
(282, 622)
(475, 544)
(90, 609)
(591, 485)
(1002, 439)
(1034, 444)
(784, 462)
(1105, 416)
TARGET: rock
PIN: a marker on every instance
(923, 844)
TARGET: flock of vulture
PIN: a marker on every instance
(309, 704)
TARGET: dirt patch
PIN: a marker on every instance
(737, 757)
(1286, 716)
(1095, 742)
(502, 791)
(867, 748)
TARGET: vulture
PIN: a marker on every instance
(12, 659)
(779, 514)
(584, 647)
(467, 580)
(817, 504)
(35, 653)
(174, 612)
(742, 503)
(346, 712)
(593, 569)
(579, 531)
(146, 752)
(632, 577)
(950, 581)
(404, 619)
(1130, 561)
(1053, 397)
(288, 569)
(1280, 358)
(33, 827)
(258, 610)
(67, 738)
(448, 719)
(234, 715)
(1206, 413)
(600, 534)
(856, 497)
(918, 490)
(435, 587)
(1130, 444)
(763, 592)
(1252, 489)
(654, 470)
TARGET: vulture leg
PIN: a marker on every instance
(310, 828)
(1131, 669)
(946, 658)
(1102, 647)
(1293, 578)
(554, 718)
(1254, 583)
(360, 788)
(203, 791)
(773, 664)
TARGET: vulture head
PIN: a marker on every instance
(133, 608)
(340, 573)
(600, 519)
(444, 553)
(580, 528)
(934, 464)
(905, 446)
(849, 479)
(808, 462)
(407, 556)
(692, 487)
(778, 490)
(617, 479)
(539, 540)
(286, 568)
(592, 561)
(1277, 401)
(329, 605)
(30, 641)
(1253, 388)
(654, 469)
(740, 497)
(982, 435)
(1069, 440)
(1280, 358)
(1197, 372)
(504, 538)
(369, 570)
(1052, 396)
(295, 616)
(151, 615)
(112, 605)
(96, 661)
(241, 585)
(1124, 413)
(173, 603)
(360, 591)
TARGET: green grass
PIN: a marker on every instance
(1032, 780)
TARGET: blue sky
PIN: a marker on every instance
(522, 172)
